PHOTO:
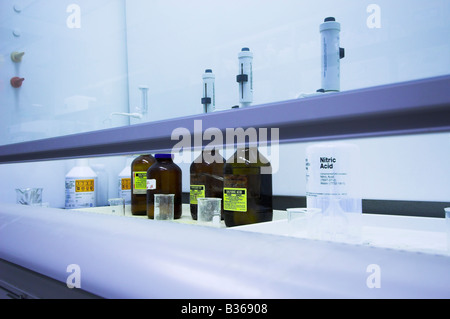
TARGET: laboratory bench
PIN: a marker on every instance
(135, 257)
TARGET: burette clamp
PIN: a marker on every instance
(206, 100)
(242, 78)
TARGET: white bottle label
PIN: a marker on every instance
(326, 176)
(81, 193)
(151, 184)
(332, 174)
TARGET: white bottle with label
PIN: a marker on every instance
(81, 186)
(124, 179)
(333, 187)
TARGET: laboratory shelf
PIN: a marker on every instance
(186, 217)
(409, 233)
(121, 257)
(414, 107)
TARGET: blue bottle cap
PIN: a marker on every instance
(163, 156)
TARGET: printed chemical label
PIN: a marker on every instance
(151, 184)
(125, 184)
(196, 191)
(84, 185)
(80, 193)
(139, 183)
(326, 176)
(235, 199)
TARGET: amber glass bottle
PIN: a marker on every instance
(247, 193)
(164, 177)
(206, 178)
(139, 168)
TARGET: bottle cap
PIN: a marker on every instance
(245, 52)
(330, 24)
(163, 155)
(208, 71)
(81, 162)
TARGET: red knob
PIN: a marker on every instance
(16, 82)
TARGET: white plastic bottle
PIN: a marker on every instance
(124, 179)
(102, 184)
(81, 186)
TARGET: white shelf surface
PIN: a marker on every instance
(124, 257)
(414, 234)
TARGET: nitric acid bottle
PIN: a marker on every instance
(206, 178)
(247, 192)
(164, 177)
(139, 168)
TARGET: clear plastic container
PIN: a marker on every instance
(333, 185)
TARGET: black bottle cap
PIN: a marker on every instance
(330, 19)
(245, 49)
(208, 71)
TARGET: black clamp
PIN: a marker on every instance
(206, 100)
(242, 78)
(341, 53)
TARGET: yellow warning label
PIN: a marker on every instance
(235, 199)
(140, 180)
(84, 186)
(197, 191)
(126, 184)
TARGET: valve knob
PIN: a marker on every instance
(16, 82)
(17, 56)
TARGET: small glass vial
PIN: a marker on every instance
(164, 177)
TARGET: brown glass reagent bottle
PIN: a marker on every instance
(206, 178)
(139, 168)
(247, 193)
(164, 177)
